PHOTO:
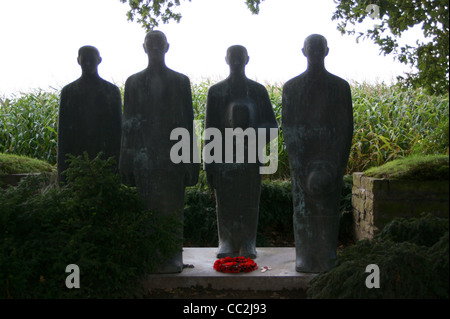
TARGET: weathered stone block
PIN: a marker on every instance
(378, 201)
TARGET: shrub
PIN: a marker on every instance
(424, 231)
(200, 221)
(408, 268)
(93, 222)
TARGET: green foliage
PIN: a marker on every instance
(275, 95)
(14, 164)
(435, 143)
(390, 122)
(412, 265)
(93, 221)
(424, 231)
(151, 12)
(419, 168)
(200, 221)
(28, 125)
(275, 208)
(429, 58)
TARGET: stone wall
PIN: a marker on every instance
(377, 201)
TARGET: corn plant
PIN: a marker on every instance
(28, 125)
(388, 123)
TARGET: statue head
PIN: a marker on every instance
(89, 58)
(155, 44)
(315, 48)
(237, 58)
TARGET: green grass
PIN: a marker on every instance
(15, 164)
(416, 167)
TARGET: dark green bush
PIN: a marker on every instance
(93, 222)
(276, 205)
(424, 231)
(408, 269)
(200, 222)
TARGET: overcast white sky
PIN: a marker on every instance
(39, 41)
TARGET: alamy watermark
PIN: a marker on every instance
(73, 280)
(236, 142)
(373, 280)
(374, 12)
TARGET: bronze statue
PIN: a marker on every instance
(237, 103)
(157, 101)
(90, 114)
(317, 121)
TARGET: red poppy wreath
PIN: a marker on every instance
(235, 265)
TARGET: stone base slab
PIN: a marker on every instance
(282, 276)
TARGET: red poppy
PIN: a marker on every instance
(235, 265)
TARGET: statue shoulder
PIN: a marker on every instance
(110, 87)
(219, 89)
(339, 81)
(178, 76)
(71, 86)
(295, 83)
(135, 78)
(259, 88)
(256, 85)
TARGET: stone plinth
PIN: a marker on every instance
(377, 201)
(282, 276)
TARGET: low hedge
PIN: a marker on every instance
(93, 222)
(412, 256)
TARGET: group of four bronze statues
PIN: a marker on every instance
(317, 124)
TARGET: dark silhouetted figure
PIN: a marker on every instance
(157, 101)
(90, 114)
(317, 121)
(237, 102)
